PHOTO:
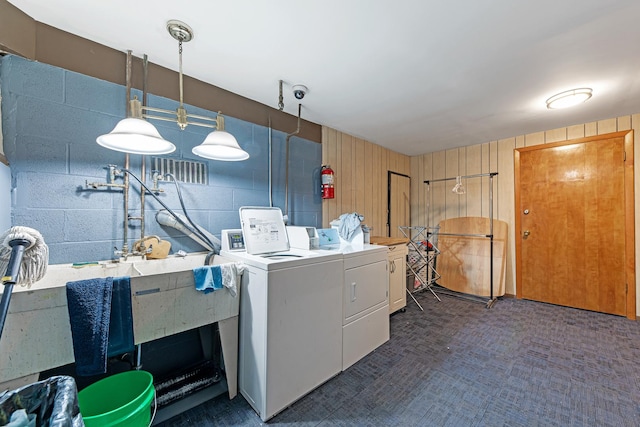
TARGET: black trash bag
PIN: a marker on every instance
(54, 401)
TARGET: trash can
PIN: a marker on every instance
(52, 402)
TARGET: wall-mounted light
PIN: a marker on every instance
(569, 98)
(137, 136)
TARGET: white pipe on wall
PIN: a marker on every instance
(165, 218)
(5, 197)
(5, 184)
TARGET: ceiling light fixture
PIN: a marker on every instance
(137, 136)
(569, 98)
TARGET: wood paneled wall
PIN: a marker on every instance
(361, 178)
(497, 156)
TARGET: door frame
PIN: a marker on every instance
(630, 257)
(389, 173)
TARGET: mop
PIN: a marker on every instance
(24, 256)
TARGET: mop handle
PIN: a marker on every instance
(10, 277)
(4, 304)
(13, 267)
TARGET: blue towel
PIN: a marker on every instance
(121, 320)
(208, 278)
(89, 305)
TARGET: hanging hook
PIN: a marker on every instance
(458, 188)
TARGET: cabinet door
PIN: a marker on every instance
(397, 278)
(364, 289)
(152, 307)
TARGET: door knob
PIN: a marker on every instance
(526, 233)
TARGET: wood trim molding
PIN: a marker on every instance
(574, 141)
(518, 230)
(630, 245)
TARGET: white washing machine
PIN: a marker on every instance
(290, 315)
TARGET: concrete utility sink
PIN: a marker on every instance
(37, 333)
(59, 274)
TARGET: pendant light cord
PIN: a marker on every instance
(180, 69)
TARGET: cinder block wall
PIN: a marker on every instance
(50, 120)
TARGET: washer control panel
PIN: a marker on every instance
(232, 240)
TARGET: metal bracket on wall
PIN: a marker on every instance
(113, 173)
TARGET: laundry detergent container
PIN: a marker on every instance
(122, 399)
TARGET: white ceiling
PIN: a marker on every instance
(414, 76)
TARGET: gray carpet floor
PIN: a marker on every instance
(520, 363)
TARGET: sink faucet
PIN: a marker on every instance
(123, 253)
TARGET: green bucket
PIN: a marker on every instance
(119, 400)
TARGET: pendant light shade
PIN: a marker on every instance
(220, 145)
(136, 136)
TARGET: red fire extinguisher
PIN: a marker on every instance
(327, 182)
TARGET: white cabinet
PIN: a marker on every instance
(397, 257)
(365, 304)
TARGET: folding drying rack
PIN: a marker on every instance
(421, 260)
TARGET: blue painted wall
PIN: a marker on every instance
(5, 197)
(50, 120)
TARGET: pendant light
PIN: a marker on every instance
(220, 145)
(136, 135)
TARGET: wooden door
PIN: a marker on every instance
(574, 224)
(399, 203)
